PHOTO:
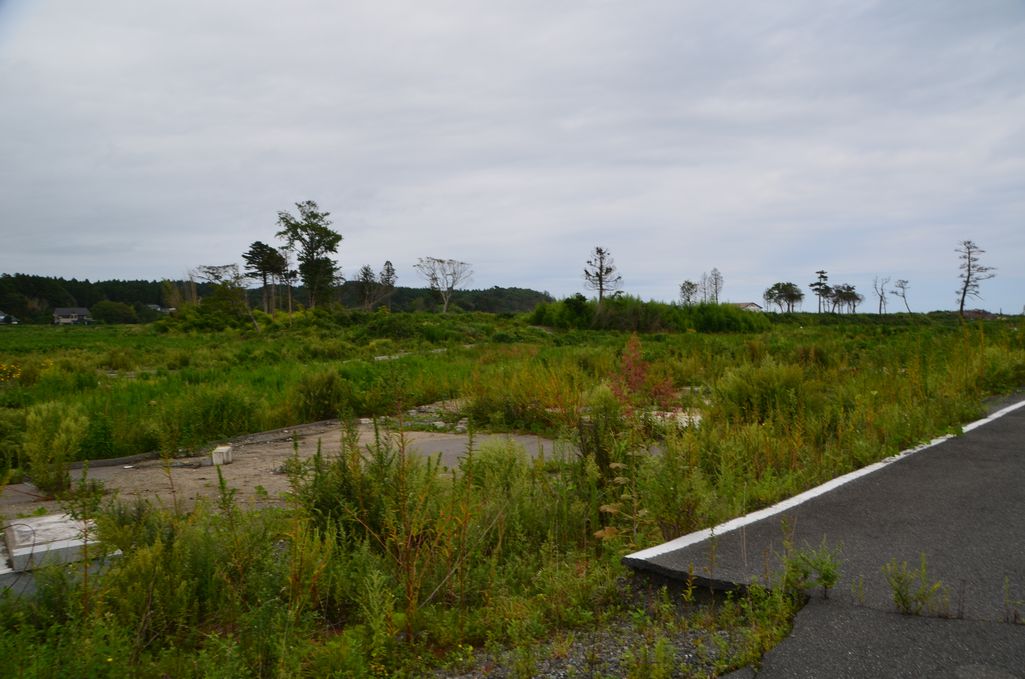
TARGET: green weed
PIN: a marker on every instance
(914, 593)
(53, 437)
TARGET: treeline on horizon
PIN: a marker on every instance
(33, 298)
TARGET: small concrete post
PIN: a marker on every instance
(221, 455)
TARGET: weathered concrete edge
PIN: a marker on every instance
(639, 560)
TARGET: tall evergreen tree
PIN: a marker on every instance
(309, 235)
(265, 263)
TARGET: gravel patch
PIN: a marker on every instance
(644, 637)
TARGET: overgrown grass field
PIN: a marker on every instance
(380, 564)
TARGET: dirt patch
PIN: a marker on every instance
(256, 471)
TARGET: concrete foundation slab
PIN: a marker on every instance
(43, 540)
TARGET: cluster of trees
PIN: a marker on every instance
(706, 290)
(375, 288)
(786, 296)
(32, 299)
(844, 296)
(601, 275)
(835, 298)
(309, 240)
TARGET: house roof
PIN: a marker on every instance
(70, 311)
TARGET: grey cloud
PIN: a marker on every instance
(762, 138)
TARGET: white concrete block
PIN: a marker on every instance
(221, 455)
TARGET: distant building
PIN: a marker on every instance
(71, 316)
(7, 319)
(747, 306)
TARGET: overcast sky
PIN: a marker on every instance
(767, 139)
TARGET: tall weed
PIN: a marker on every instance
(53, 437)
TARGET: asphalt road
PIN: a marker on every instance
(960, 503)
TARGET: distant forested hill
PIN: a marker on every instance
(32, 299)
(493, 300)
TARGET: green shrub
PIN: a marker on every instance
(673, 486)
(531, 396)
(320, 395)
(1002, 371)
(98, 441)
(12, 426)
(722, 318)
(497, 467)
(761, 393)
(206, 413)
(914, 592)
(53, 436)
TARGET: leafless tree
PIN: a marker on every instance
(703, 288)
(288, 276)
(972, 272)
(900, 289)
(443, 276)
(600, 273)
(879, 285)
(715, 283)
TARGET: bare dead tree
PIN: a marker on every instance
(973, 272)
(715, 283)
(443, 276)
(879, 285)
(600, 273)
(900, 289)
